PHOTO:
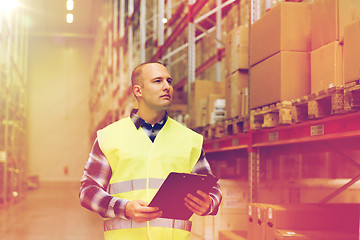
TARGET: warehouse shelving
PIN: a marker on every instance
(260, 158)
(133, 35)
(13, 105)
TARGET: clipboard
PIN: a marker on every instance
(170, 196)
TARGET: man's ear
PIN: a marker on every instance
(137, 90)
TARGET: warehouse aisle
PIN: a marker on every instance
(51, 212)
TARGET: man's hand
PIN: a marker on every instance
(200, 206)
(139, 211)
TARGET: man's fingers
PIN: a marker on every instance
(142, 216)
(140, 212)
(202, 194)
(194, 210)
(199, 205)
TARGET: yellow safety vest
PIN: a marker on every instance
(139, 166)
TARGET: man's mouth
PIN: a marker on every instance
(166, 96)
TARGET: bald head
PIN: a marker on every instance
(136, 78)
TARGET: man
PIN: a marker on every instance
(131, 158)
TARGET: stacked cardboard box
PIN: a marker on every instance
(313, 235)
(281, 220)
(236, 50)
(199, 100)
(236, 68)
(279, 54)
(215, 108)
(329, 18)
(327, 67)
(232, 215)
(256, 221)
(232, 235)
(352, 52)
(232, 19)
(236, 93)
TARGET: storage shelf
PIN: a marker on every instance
(330, 128)
(334, 127)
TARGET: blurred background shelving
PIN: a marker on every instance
(60, 83)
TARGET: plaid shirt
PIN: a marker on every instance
(97, 174)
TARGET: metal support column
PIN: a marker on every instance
(161, 15)
(161, 12)
(142, 30)
(219, 38)
(115, 36)
(254, 10)
(121, 47)
(253, 153)
(155, 26)
(169, 6)
(254, 169)
(191, 49)
(130, 34)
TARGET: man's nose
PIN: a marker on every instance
(166, 85)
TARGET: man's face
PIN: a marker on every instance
(157, 89)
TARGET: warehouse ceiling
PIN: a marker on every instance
(48, 18)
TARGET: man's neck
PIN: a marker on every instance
(151, 117)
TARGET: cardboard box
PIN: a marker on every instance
(202, 226)
(228, 96)
(236, 94)
(211, 106)
(201, 112)
(200, 89)
(325, 217)
(328, 19)
(239, 54)
(286, 27)
(227, 41)
(327, 67)
(244, 12)
(352, 52)
(230, 221)
(256, 221)
(292, 217)
(208, 227)
(232, 18)
(313, 235)
(235, 196)
(232, 235)
(284, 76)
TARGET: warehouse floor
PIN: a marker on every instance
(51, 212)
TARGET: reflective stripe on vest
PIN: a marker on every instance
(117, 223)
(136, 184)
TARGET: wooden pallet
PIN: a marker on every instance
(299, 109)
(236, 125)
(214, 131)
(352, 96)
(326, 103)
(271, 116)
(318, 105)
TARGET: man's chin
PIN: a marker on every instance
(167, 106)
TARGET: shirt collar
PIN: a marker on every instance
(138, 121)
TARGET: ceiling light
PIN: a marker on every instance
(69, 18)
(70, 5)
(164, 20)
(7, 5)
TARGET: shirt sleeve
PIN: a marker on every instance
(94, 182)
(203, 167)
